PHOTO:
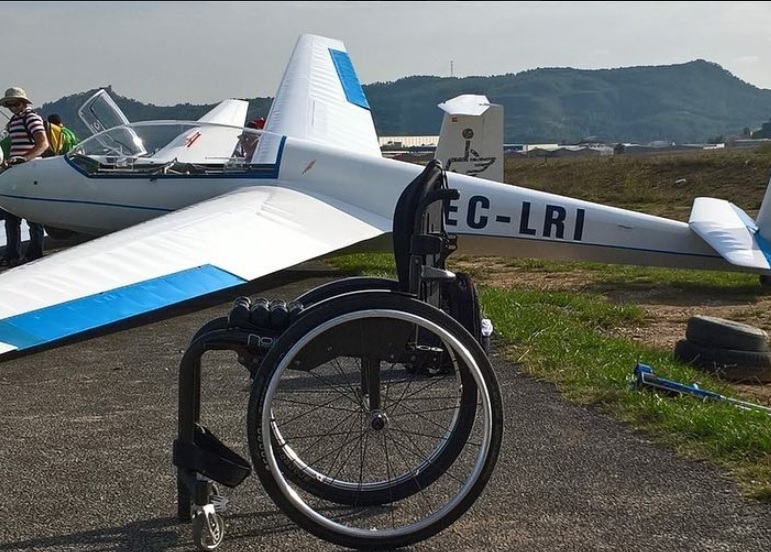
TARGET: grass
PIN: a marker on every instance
(662, 185)
(561, 338)
(564, 338)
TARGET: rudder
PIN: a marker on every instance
(471, 137)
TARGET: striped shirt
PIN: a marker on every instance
(21, 128)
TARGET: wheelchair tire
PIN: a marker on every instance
(381, 439)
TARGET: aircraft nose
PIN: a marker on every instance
(13, 182)
(5, 186)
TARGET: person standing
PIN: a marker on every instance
(28, 141)
(60, 138)
(247, 141)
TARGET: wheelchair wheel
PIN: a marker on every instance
(219, 323)
(346, 285)
(375, 420)
(422, 358)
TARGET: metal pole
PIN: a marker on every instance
(644, 376)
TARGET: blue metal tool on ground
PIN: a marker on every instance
(644, 376)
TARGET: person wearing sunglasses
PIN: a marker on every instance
(28, 141)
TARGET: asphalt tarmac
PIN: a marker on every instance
(86, 434)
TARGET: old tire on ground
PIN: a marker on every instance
(728, 364)
(719, 333)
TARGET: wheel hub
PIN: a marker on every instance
(378, 420)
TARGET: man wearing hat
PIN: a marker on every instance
(28, 141)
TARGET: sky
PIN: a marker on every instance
(167, 53)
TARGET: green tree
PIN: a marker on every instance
(764, 132)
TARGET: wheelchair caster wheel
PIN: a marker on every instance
(218, 500)
(208, 528)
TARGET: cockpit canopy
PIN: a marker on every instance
(152, 144)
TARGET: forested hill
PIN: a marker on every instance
(692, 102)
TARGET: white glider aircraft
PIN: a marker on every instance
(100, 112)
(317, 184)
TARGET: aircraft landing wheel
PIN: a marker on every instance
(375, 420)
(59, 233)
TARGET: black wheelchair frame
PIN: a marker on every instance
(421, 248)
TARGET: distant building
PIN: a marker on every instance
(393, 145)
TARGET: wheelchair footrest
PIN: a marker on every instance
(211, 458)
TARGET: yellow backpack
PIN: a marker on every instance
(55, 139)
(60, 139)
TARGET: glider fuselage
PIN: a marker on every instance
(490, 218)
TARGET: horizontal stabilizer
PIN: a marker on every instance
(730, 232)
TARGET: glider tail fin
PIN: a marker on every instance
(320, 99)
(471, 138)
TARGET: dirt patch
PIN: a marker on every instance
(667, 307)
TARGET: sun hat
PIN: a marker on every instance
(14, 94)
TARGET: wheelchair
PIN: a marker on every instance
(374, 417)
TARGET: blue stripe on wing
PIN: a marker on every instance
(347, 74)
(73, 317)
